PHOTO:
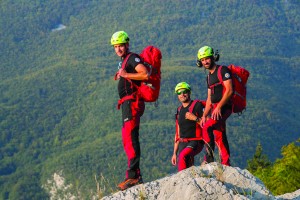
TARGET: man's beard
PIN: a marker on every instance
(186, 100)
(210, 66)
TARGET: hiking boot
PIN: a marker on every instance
(129, 182)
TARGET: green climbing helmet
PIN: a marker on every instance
(204, 52)
(120, 37)
(182, 85)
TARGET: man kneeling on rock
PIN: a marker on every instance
(188, 137)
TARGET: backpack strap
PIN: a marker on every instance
(221, 78)
(221, 81)
(218, 83)
(220, 75)
(191, 108)
(132, 96)
(198, 128)
(177, 136)
(123, 66)
(125, 60)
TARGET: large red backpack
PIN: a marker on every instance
(198, 128)
(239, 80)
(149, 90)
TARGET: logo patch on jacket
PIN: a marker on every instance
(227, 75)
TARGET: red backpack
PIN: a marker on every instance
(149, 90)
(198, 128)
(239, 80)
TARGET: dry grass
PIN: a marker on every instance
(104, 185)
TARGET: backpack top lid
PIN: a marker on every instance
(152, 55)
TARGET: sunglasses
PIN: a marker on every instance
(182, 92)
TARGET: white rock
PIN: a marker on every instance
(211, 181)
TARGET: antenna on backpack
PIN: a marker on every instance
(217, 55)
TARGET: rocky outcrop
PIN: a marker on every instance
(294, 195)
(211, 181)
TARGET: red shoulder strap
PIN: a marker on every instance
(178, 110)
(125, 60)
(221, 80)
(219, 77)
(191, 108)
(219, 74)
(198, 128)
(176, 124)
(124, 66)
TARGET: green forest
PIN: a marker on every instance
(58, 96)
(282, 176)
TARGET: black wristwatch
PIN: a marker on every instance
(197, 119)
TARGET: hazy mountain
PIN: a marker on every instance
(58, 97)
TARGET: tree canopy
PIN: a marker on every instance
(58, 97)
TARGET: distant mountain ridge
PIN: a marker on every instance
(58, 98)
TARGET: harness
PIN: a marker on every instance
(212, 87)
(134, 95)
(198, 133)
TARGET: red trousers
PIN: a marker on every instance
(187, 153)
(131, 113)
(214, 132)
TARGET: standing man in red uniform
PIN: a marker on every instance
(132, 107)
(218, 104)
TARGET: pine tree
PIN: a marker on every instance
(286, 176)
(259, 160)
(281, 177)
